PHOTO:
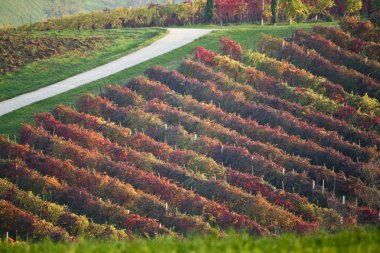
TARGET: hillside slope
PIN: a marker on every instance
(20, 11)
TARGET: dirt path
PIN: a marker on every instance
(174, 39)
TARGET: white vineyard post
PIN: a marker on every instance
(262, 13)
(323, 186)
(334, 187)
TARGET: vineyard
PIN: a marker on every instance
(17, 50)
(280, 140)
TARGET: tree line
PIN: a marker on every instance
(201, 11)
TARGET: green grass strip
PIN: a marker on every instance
(347, 241)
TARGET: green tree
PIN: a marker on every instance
(294, 10)
(352, 7)
(374, 11)
(274, 9)
(321, 7)
(375, 5)
(209, 11)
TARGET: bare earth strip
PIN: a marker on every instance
(174, 39)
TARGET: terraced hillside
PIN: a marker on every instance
(23, 11)
(229, 140)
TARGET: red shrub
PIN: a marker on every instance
(231, 48)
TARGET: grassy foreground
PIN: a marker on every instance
(40, 73)
(350, 241)
(247, 35)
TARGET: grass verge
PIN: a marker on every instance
(348, 241)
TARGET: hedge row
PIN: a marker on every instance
(151, 90)
(176, 197)
(366, 118)
(337, 55)
(253, 206)
(77, 199)
(349, 42)
(58, 215)
(224, 153)
(21, 224)
(232, 102)
(260, 81)
(174, 117)
(99, 185)
(350, 80)
(191, 161)
(364, 30)
(354, 151)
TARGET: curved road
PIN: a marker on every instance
(174, 39)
